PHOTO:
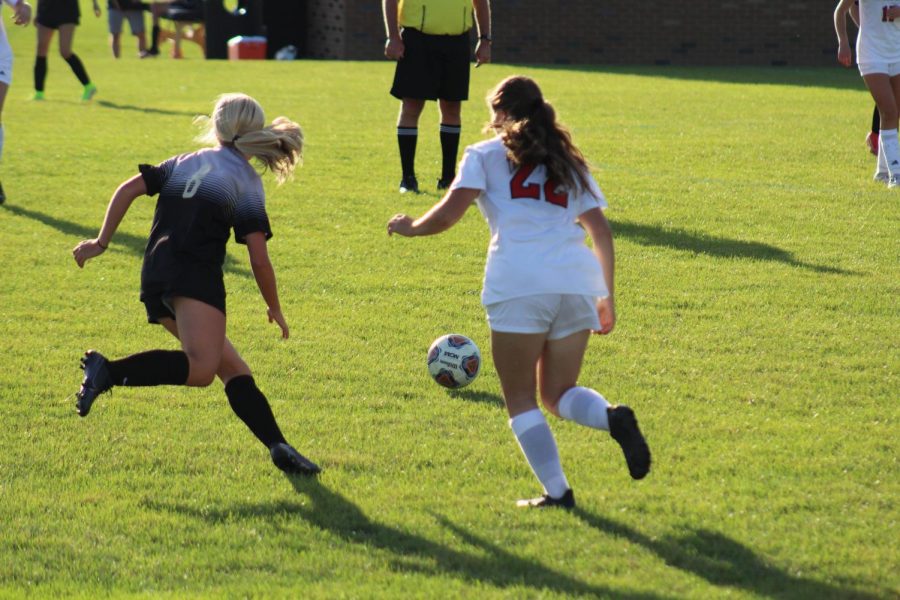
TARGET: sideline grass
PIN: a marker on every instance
(758, 343)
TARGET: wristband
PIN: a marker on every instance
(486, 38)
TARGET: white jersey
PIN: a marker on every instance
(879, 38)
(536, 245)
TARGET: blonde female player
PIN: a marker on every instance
(202, 197)
(878, 57)
(544, 290)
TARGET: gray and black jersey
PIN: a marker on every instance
(202, 197)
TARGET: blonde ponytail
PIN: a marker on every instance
(238, 120)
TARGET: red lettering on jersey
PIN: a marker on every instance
(554, 197)
(519, 189)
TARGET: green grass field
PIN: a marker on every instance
(757, 341)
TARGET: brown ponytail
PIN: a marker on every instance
(527, 125)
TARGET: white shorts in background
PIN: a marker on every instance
(870, 67)
(558, 315)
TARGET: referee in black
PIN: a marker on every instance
(429, 39)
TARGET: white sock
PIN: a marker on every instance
(584, 406)
(1, 140)
(890, 144)
(539, 448)
(882, 161)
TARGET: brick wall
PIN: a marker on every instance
(684, 32)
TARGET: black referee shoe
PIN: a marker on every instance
(290, 461)
(96, 381)
(623, 428)
(567, 500)
(409, 184)
(443, 184)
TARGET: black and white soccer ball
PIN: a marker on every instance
(454, 361)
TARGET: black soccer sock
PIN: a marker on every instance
(40, 73)
(406, 139)
(154, 367)
(78, 69)
(876, 120)
(154, 40)
(449, 148)
(251, 406)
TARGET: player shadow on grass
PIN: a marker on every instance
(724, 562)
(146, 109)
(330, 512)
(133, 243)
(680, 239)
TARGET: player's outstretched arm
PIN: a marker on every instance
(439, 218)
(264, 273)
(115, 212)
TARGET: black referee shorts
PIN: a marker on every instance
(432, 67)
(53, 13)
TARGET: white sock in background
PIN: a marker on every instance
(890, 144)
(1, 141)
(539, 447)
(584, 406)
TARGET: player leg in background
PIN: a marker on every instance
(157, 10)
(884, 91)
(407, 136)
(66, 37)
(451, 126)
(114, 18)
(872, 136)
(558, 372)
(4, 87)
(515, 358)
(44, 37)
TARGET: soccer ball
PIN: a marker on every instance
(454, 360)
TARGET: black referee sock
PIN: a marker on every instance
(154, 40)
(40, 73)
(876, 120)
(154, 367)
(406, 139)
(78, 69)
(251, 406)
(449, 148)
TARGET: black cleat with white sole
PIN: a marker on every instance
(292, 462)
(623, 428)
(96, 381)
(567, 500)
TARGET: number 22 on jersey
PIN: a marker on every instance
(518, 188)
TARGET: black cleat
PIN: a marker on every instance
(96, 381)
(623, 428)
(409, 184)
(567, 500)
(290, 461)
(443, 184)
(2, 194)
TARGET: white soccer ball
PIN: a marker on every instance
(454, 361)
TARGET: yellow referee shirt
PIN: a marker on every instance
(437, 17)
